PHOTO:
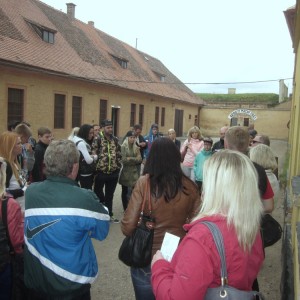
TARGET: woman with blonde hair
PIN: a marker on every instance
(264, 156)
(10, 149)
(231, 201)
(73, 133)
(189, 149)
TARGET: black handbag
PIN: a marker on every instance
(225, 291)
(271, 230)
(84, 167)
(136, 250)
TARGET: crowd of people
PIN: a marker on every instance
(58, 194)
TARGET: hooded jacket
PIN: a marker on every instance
(200, 159)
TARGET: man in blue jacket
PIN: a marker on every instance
(60, 220)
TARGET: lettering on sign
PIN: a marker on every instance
(242, 111)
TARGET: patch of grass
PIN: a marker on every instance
(268, 98)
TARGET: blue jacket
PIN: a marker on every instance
(60, 220)
(150, 138)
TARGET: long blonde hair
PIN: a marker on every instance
(230, 188)
(8, 140)
(2, 176)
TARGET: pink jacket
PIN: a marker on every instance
(15, 224)
(196, 264)
(196, 147)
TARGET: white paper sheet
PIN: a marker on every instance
(169, 245)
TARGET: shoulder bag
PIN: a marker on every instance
(136, 250)
(271, 230)
(84, 167)
(225, 291)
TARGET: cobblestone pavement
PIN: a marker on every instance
(114, 280)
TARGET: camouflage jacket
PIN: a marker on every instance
(109, 154)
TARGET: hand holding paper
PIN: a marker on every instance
(169, 245)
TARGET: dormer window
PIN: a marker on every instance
(121, 61)
(161, 77)
(48, 36)
(45, 33)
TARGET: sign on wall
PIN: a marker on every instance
(242, 111)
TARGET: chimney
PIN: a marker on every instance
(91, 23)
(231, 91)
(71, 10)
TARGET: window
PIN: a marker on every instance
(160, 76)
(59, 111)
(103, 110)
(121, 61)
(132, 114)
(76, 111)
(141, 115)
(233, 122)
(246, 122)
(15, 109)
(45, 33)
(196, 120)
(48, 36)
(163, 112)
(156, 114)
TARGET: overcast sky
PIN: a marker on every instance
(202, 41)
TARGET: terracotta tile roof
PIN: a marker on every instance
(290, 14)
(82, 51)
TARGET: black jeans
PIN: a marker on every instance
(86, 182)
(126, 193)
(109, 183)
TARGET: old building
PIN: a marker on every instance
(59, 72)
(291, 240)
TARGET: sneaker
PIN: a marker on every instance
(114, 220)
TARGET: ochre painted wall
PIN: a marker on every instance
(39, 102)
(271, 121)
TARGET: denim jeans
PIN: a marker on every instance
(141, 280)
(188, 171)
